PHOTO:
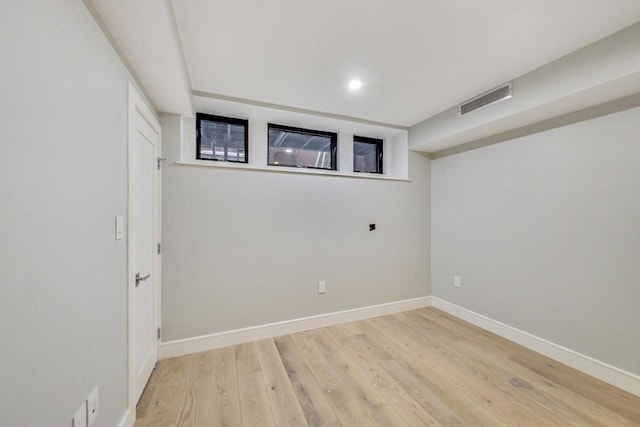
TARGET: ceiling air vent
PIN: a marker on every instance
(487, 98)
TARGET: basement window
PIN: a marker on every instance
(302, 148)
(221, 138)
(367, 155)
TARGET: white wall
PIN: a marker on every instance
(63, 124)
(545, 232)
(246, 247)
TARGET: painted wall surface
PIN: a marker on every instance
(63, 133)
(244, 248)
(544, 231)
(603, 71)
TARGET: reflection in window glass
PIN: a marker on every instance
(367, 154)
(305, 148)
(221, 138)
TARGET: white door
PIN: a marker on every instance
(143, 234)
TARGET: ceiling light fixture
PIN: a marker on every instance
(355, 84)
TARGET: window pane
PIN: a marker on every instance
(301, 148)
(222, 138)
(367, 155)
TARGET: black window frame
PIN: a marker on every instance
(332, 135)
(379, 143)
(227, 120)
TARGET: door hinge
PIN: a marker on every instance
(158, 334)
(160, 160)
(159, 248)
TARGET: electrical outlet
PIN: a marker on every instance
(92, 407)
(457, 281)
(322, 287)
(80, 418)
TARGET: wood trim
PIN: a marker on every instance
(270, 330)
(588, 365)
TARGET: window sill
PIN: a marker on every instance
(284, 169)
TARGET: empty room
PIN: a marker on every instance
(319, 213)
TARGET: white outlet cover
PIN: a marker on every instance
(457, 282)
(92, 407)
(80, 418)
(322, 287)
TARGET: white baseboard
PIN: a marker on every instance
(253, 333)
(590, 366)
(605, 372)
(128, 419)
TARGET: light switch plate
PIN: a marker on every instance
(119, 227)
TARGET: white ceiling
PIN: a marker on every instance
(415, 58)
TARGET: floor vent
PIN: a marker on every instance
(488, 98)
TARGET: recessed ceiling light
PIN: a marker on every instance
(355, 84)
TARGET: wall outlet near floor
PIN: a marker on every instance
(80, 418)
(92, 407)
(322, 287)
(457, 281)
(86, 415)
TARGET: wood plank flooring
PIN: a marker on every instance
(418, 368)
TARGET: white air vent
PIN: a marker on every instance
(487, 98)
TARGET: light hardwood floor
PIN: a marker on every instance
(419, 368)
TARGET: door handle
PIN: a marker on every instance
(141, 279)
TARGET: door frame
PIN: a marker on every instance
(136, 104)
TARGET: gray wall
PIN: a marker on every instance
(544, 231)
(244, 248)
(63, 124)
